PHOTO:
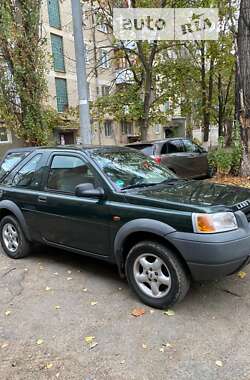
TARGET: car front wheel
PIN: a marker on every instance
(13, 240)
(156, 274)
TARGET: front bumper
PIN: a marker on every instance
(214, 256)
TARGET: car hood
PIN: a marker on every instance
(191, 195)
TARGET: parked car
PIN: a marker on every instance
(118, 205)
(180, 155)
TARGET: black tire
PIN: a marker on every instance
(23, 246)
(211, 171)
(179, 278)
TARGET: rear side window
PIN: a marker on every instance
(26, 176)
(10, 162)
(174, 146)
(190, 147)
(146, 149)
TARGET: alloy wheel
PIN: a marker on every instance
(10, 237)
(152, 275)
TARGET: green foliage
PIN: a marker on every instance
(125, 104)
(228, 160)
(23, 62)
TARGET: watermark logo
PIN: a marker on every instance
(165, 24)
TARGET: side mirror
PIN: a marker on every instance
(87, 190)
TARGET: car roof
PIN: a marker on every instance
(151, 142)
(71, 147)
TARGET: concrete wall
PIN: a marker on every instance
(213, 137)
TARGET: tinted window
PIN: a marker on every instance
(11, 161)
(67, 172)
(174, 146)
(190, 147)
(26, 176)
(146, 149)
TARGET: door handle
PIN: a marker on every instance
(42, 198)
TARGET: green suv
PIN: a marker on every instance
(118, 205)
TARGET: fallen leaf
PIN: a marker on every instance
(57, 307)
(69, 278)
(144, 346)
(242, 274)
(219, 363)
(39, 341)
(4, 345)
(85, 289)
(89, 339)
(169, 312)
(161, 349)
(47, 288)
(49, 365)
(169, 345)
(8, 312)
(93, 303)
(137, 312)
(93, 345)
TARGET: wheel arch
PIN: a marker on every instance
(10, 208)
(138, 230)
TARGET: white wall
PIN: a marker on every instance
(213, 137)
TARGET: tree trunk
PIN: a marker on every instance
(220, 110)
(147, 103)
(243, 79)
(204, 94)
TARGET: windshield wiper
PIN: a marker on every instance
(139, 184)
(169, 181)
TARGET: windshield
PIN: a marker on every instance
(131, 169)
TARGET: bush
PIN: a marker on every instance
(227, 160)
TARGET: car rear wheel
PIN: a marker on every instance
(156, 274)
(12, 238)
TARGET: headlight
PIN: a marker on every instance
(212, 223)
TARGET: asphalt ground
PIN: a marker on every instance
(64, 316)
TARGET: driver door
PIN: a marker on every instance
(70, 221)
(196, 158)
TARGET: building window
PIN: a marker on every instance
(105, 90)
(101, 25)
(87, 51)
(108, 128)
(5, 136)
(61, 95)
(104, 58)
(57, 52)
(127, 127)
(157, 129)
(54, 13)
(166, 106)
